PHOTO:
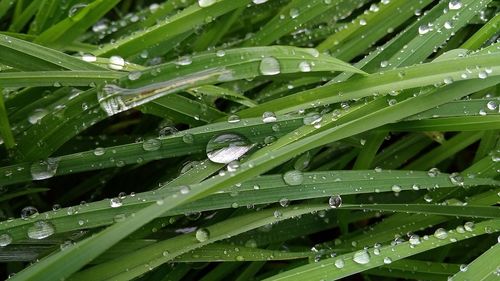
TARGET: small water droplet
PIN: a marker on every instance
(423, 29)
(89, 58)
(99, 151)
(455, 4)
(268, 117)
(202, 235)
(293, 177)
(339, 263)
(284, 202)
(5, 239)
(469, 226)
(294, 13)
(151, 144)
(387, 260)
(37, 115)
(414, 239)
(75, 9)
(134, 75)
(115, 202)
(441, 233)
(433, 172)
(305, 66)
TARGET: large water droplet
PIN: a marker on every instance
(335, 201)
(227, 147)
(423, 29)
(44, 169)
(304, 66)
(414, 239)
(293, 177)
(115, 202)
(202, 234)
(269, 66)
(40, 230)
(339, 263)
(361, 257)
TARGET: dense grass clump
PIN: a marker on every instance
(249, 140)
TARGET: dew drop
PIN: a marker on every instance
(339, 263)
(482, 75)
(335, 201)
(185, 60)
(5, 239)
(134, 75)
(304, 66)
(361, 257)
(115, 202)
(384, 63)
(455, 4)
(233, 119)
(469, 226)
(441, 233)
(396, 188)
(293, 177)
(414, 239)
(44, 169)
(151, 144)
(99, 151)
(269, 66)
(37, 115)
(423, 29)
(40, 230)
(257, 2)
(206, 3)
(492, 105)
(284, 202)
(387, 260)
(227, 147)
(75, 9)
(116, 63)
(89, 58)
(29, 212)
(433, 172)
(294, 13)
(268, 117)
(202, 235)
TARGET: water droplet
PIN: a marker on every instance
(44, 169)
(185, 189)
(99, 151)
(233, 166)
(151, 144)
(482, 75)
(361, 257)
(89, 58)
(339, 263)
(384, 63)
(257, 2)
(134, 75)
(40, 230)
(206, 3)
(220, 53)
(268, 117)
(188, 138)
(29, 212)
(448, 25)
(387, 260)
(423, 29)
(455, 4)
(116, 63)
(469, 226)
(269, 66)
(304, 66)
(293, 177)
(396, 188)
(335, 201)
(492, 105)
(362, 22)
(202, 235)
(294, 13)
(115, 202)
(5, 239)
(227, 147)
(433, 172)
(284, 202)
(463, 267)
(374, 8)
(441, 233)
(414, 239)
(233, 118)
(37, 115)
(312, 118)
(75, 9)
(456, 179)
(185, 60)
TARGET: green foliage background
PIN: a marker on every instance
(107, 108)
